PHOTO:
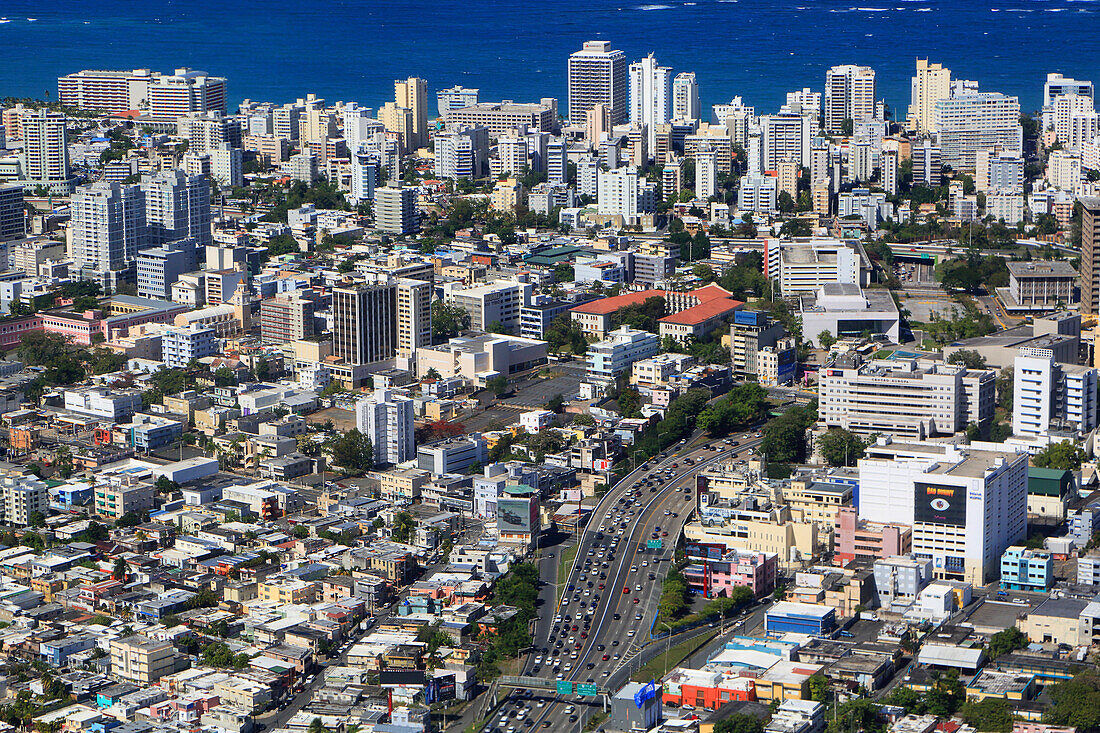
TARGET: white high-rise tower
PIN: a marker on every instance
(650, 95)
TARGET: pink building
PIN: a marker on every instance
(714, 573)
(118, 315)
(858, 540)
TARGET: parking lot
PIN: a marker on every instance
(921, 307)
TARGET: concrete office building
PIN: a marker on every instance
(109, 92)
(12, 216)
(931, 83)
(454, 98)
(185, 92)
(453, 455)
(364, 320)
(1057, 85)
(108, 227)
(412, 94)
(597, 75)
(749, 333)
(1090, 255)
(496, 302)
(900, 579)
(159, 267)
(848, 310)
(414, 315)
(285, 318)
(757, 194)
(974, 121)
(395, 210)
(849, 95)
(650, 96)
(177, 206)
(801, 266)
(966, 506)
(907, 398)
(1041, 286)
(180, 344)
(30, 254)
(46, 151)
(387, 419)
(613, 356)
(685, 97)
(227, 165)
(462, 152)
(1051, 397)
(501, 118)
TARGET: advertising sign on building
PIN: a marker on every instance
(938, 504)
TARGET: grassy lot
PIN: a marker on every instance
(565, 562)
(659, 666)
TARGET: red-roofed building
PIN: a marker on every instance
(594, 317)
(698, 321)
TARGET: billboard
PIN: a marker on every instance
(601, 464)
(746, 318)
(572, 495)
(398, 677)
(439, 689)
(517, 515)
(939, 504)
(704, 550)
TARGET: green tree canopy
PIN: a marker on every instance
(1065, 455)
(353, 451)
(840, 447)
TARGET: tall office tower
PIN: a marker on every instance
(786, 136)
(172, 96)
(512, 154)
(788, 172)
(650, 95)
(359, 123)
(849, 95)
(108, 226)
(412, 94)
(927, 164)
(395, 210)
(414, 315)
(1090, 255)
(1057, 85)
(386, 418)
(706, 174)
(105, 91)
(399, 121)
(45, 147)
(889, 171)
(967, 123)
(597, 75)
(284, 120)
(364, 320)
(685, 97)
(557, 161)
(819, 160)
(455, 98)
(364, 176)
(12, 219)
(1048, 396)
(618, 193)
(285, 318)
(462, 152)
(931, 83)
(177, 206)
(597, 124)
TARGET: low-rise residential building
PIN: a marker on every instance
(141, 660)
(1030, 570)
(612, 357)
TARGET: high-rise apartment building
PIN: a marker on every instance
(414, 315)
(364, 320)
(1090, 255)
(512, 155)
(927, 164)
(179, 345)
(365, 170)
(159, 267)
(285, 318)
(455, 98)
(386, 418)
(618, 193)
(109, 92)
(108, 226)
(1048, 396)
(650, 95)
(888, 164)
(969, 122)
(12, 219)
(685, 97)
(706, 174)
(395, 210)
(172, 96)
(557, 161)
(597, 75)
(1057, 85)
(205, 131)
(462, 152)
(966, 506)
(45, 148)
(412, 94)
(785, 136)
(849, 95)
(177, 206)
(931, 83)
(20, 497)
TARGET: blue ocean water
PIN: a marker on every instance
(352, 50)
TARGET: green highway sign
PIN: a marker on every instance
(565, 687)
(653, 544)
(586, 689)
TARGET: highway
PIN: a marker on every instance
(613, 588)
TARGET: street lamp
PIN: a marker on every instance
(668, 642)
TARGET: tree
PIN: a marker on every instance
(403, 527)
(563, 272)
(785, 202)
(819, 688)
(36, 519)
(166, 486)
(990, 714)
(630, 400)
(564, 333)
(1006, 641)
(739, 723)
(785, 436)
(120, 570)
(353, 450)
(555, 404)
(584, 419)
(840, 447)
(968, 358)
(497, 327)
(795, 228)
(1063, 456)
(448, 320)
(826, 340)
(946, 695)
(498, 385)
(1076, 702)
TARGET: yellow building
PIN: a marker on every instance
(507, 195)
(762, 531)
(141, 660)
(284, 591)
(786, 681)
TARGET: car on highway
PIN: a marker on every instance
(636, 601)
(626, 588)
(606, 657)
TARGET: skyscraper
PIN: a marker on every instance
(177, 206)
(12, 220)
(395, 210)
(967, 123)
(45, 147)
(364, 320)
(849, 95)
(414, 315)
(461, 152)
(364, 176)
(108, 226)
(706, 174)
(1090, 255)
(172, 96)
(557, 161)
(685, 97)
(597, 75)
(650, 95)
(931, 84)
(412, 94)
(387, 419)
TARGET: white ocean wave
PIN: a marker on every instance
(654, 7)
